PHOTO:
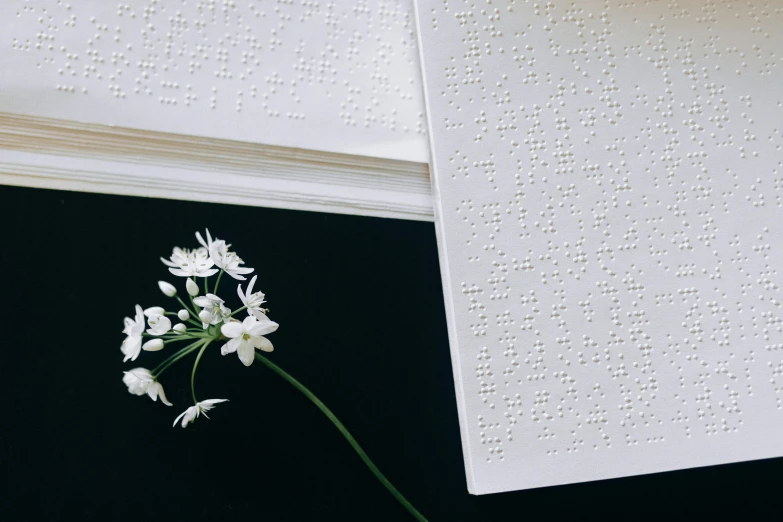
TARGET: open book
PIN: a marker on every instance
(312, 105)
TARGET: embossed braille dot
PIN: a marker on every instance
(357, 66)
(630, 221)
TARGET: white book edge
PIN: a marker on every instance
(66, 155)
(440, 234)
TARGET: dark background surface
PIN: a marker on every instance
(362, 324)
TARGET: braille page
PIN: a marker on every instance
(325, 75)
(608, 179)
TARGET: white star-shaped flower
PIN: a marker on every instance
(209, 242)
(252, 301)
(190, 263)
(247, 336)
(131, 346)
(214, 311)
(191, 413)
(140, 381)
(228, 261)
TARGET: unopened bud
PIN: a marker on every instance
(154, 310)
(183, 315)
(180, 327)
(153, 346)
(192, 287)
(167, 288)
(205, 316)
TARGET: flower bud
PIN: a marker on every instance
(154, 310)
(180, 327)
(153, 346)
(167, 289)
(205, 316)
(183, 315)
(192, 287)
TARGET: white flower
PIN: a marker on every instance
(190, 263)
(131, 346)
(191, 287)
(180, 328)
(183, 315)
(140, 381)
(167, 289)
(191, 413)
(153, 345)
(214, 311)
(246, 336)
(228, 261)
(252, 301)
(178, 258)
(159, 324)
(209, 242)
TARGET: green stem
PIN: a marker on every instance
(214, 291)
(326, 411)
(206, 287)
(193, 374)
(237, 311)
(186, 306)
(159, 369)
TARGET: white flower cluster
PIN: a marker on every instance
(206, 320)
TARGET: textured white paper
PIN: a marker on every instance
(338, 76)
(608, 181)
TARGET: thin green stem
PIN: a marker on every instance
(326, 411)
(186, 306)
(206, 287)
(159, 369)
(193, 374)
(237, 311)
(214, 291)
(192, 332)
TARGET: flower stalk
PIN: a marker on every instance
(211, 320)
(340, 426)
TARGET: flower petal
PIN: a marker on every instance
(249, 323)
(162, 395)
(234, 272)
(262, 343)
(231, 346)
(202, 301)
(154, 310)
(210, 402)
(152, 391)
(179, 417)
(263, 327)
(246, 352)
(201, 239)
(231, 329)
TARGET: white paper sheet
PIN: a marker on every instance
(325, 75)
(608, 181)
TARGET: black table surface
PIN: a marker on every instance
(362, 323)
